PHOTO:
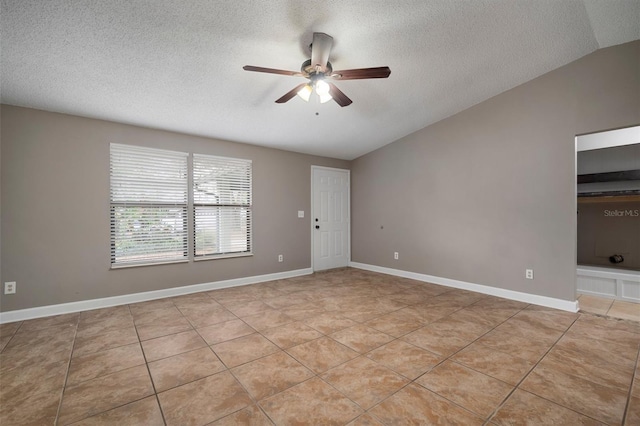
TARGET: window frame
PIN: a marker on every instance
(222, 205)
(189, 206)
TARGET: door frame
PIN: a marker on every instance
(312, 212)
(593, 141)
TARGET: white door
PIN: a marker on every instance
(330, 218)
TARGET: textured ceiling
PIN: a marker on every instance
(177, 65)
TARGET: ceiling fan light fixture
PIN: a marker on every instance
(322, 89)
(305, 92)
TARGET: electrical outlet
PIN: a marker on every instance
(280, 258)
(10, 287)
(395, 255)
(528, 274)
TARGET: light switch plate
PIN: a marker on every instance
(300, 213)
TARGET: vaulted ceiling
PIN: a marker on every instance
(177, 65)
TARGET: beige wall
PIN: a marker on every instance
(55, 209)
(489, 192)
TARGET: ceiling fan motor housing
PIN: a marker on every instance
(309, 70)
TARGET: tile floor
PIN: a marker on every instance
(340, 347)
(609, 307)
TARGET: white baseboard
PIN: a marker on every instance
(86, 305)
(535, 299)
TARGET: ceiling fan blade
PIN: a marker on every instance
(320, 49)
(271, 70)
(361, 73)
(290, 94)
(337, 95)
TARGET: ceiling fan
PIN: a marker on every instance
(317, 70)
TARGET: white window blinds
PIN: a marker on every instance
(222, 205)
(149, 195)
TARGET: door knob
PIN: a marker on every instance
(317, 226)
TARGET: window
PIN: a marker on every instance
(222, 205)
(149, 201)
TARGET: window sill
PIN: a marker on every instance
(221, 256)
(137, 265)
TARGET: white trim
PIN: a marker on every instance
(85, 305)
(311, 214)
(615, 274)
(609, 283)
(608, 139)
(535, 299)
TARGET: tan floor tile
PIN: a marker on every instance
(524, 408)
(486, 318)
(361, 338)
(313, 400)
(365, 420)
(607, 375)
(100, 315)
(321, 354)
(329, 322)
(547, 317)
(594, 305)
(224, 331)
(4, 341)
(204, 400)
(54, 344)
(284, 301)
(404, 358)
(624, 310)
(364, 381)
(303, 311)
(440, 342)
(291, 334)
(101, 342)
(267, 319)
(418, 406)
(244, 309)
(610, 323)
(208, 316)
(606, 334)
(33, 409)
(427, 314)
(508, 368)
(103, 326)
(474, 391)
(396, 324)
(9, 329)
(244, 349)
(151, 305)
(195, 300)
(515, 345)
(591, 399)
(153, 330)
(98, 364)
(270, 375)
(248, 416)
(633, 412)
(19, 382)
(186, 367)
(143, 412)
(104, 393)
(57, 320)
(592, 351)
(520, 327)
(165, 314)
(166, 346)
